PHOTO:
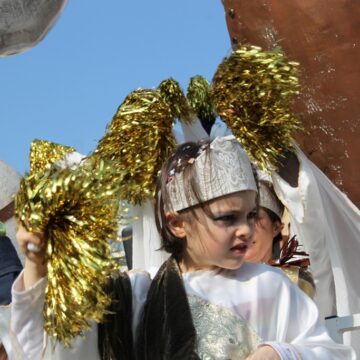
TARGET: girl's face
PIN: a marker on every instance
(220, 238)
(265, 231)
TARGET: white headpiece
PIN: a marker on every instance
(222, 170)
(268, 199)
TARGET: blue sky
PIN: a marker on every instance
(67, 88)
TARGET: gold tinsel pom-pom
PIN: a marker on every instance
(172, 93)
(252, 91)
(44, 153)
(76, 210)
(199, 98)
(138, 140)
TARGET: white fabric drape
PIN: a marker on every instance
(328, 225)
(146, 244)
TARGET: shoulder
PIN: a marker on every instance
(249, 277)
(262, 271)
(247, 273)
(249, 285)
(268, 283)
(263, 277)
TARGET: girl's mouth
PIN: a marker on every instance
(240, 249)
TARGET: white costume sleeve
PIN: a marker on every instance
(299, 326)
(328, 225)
(5, 311)
(29, 341)
(27, 319)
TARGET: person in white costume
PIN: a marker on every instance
(204, 302)
(267, 237)
(327, 224)
(269, 246)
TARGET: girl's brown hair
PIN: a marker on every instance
(180, 161)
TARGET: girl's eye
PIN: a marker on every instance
(226, 218)
(253, 215)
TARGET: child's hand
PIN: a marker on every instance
(264, 353)
(33, 246)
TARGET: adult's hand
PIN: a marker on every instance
(288, 168)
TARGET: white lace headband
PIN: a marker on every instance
(222, 170)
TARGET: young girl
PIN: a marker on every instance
(204, 302)
(267, 246)
(267, 236)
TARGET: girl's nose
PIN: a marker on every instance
(245, 231)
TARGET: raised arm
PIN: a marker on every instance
(28, 298)
(33, 246)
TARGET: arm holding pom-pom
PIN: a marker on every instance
(28, 295)
(35, 265)
(112, 336)
(27, 324)
(77, 210)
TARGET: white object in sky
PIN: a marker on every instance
(24, 23)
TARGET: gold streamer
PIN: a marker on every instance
(174, 96)
(252, 91)
(77, 210)
(45, 153)
(199, 98)
(138, 140)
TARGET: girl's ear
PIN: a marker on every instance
(277, 228)
(175, 223)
